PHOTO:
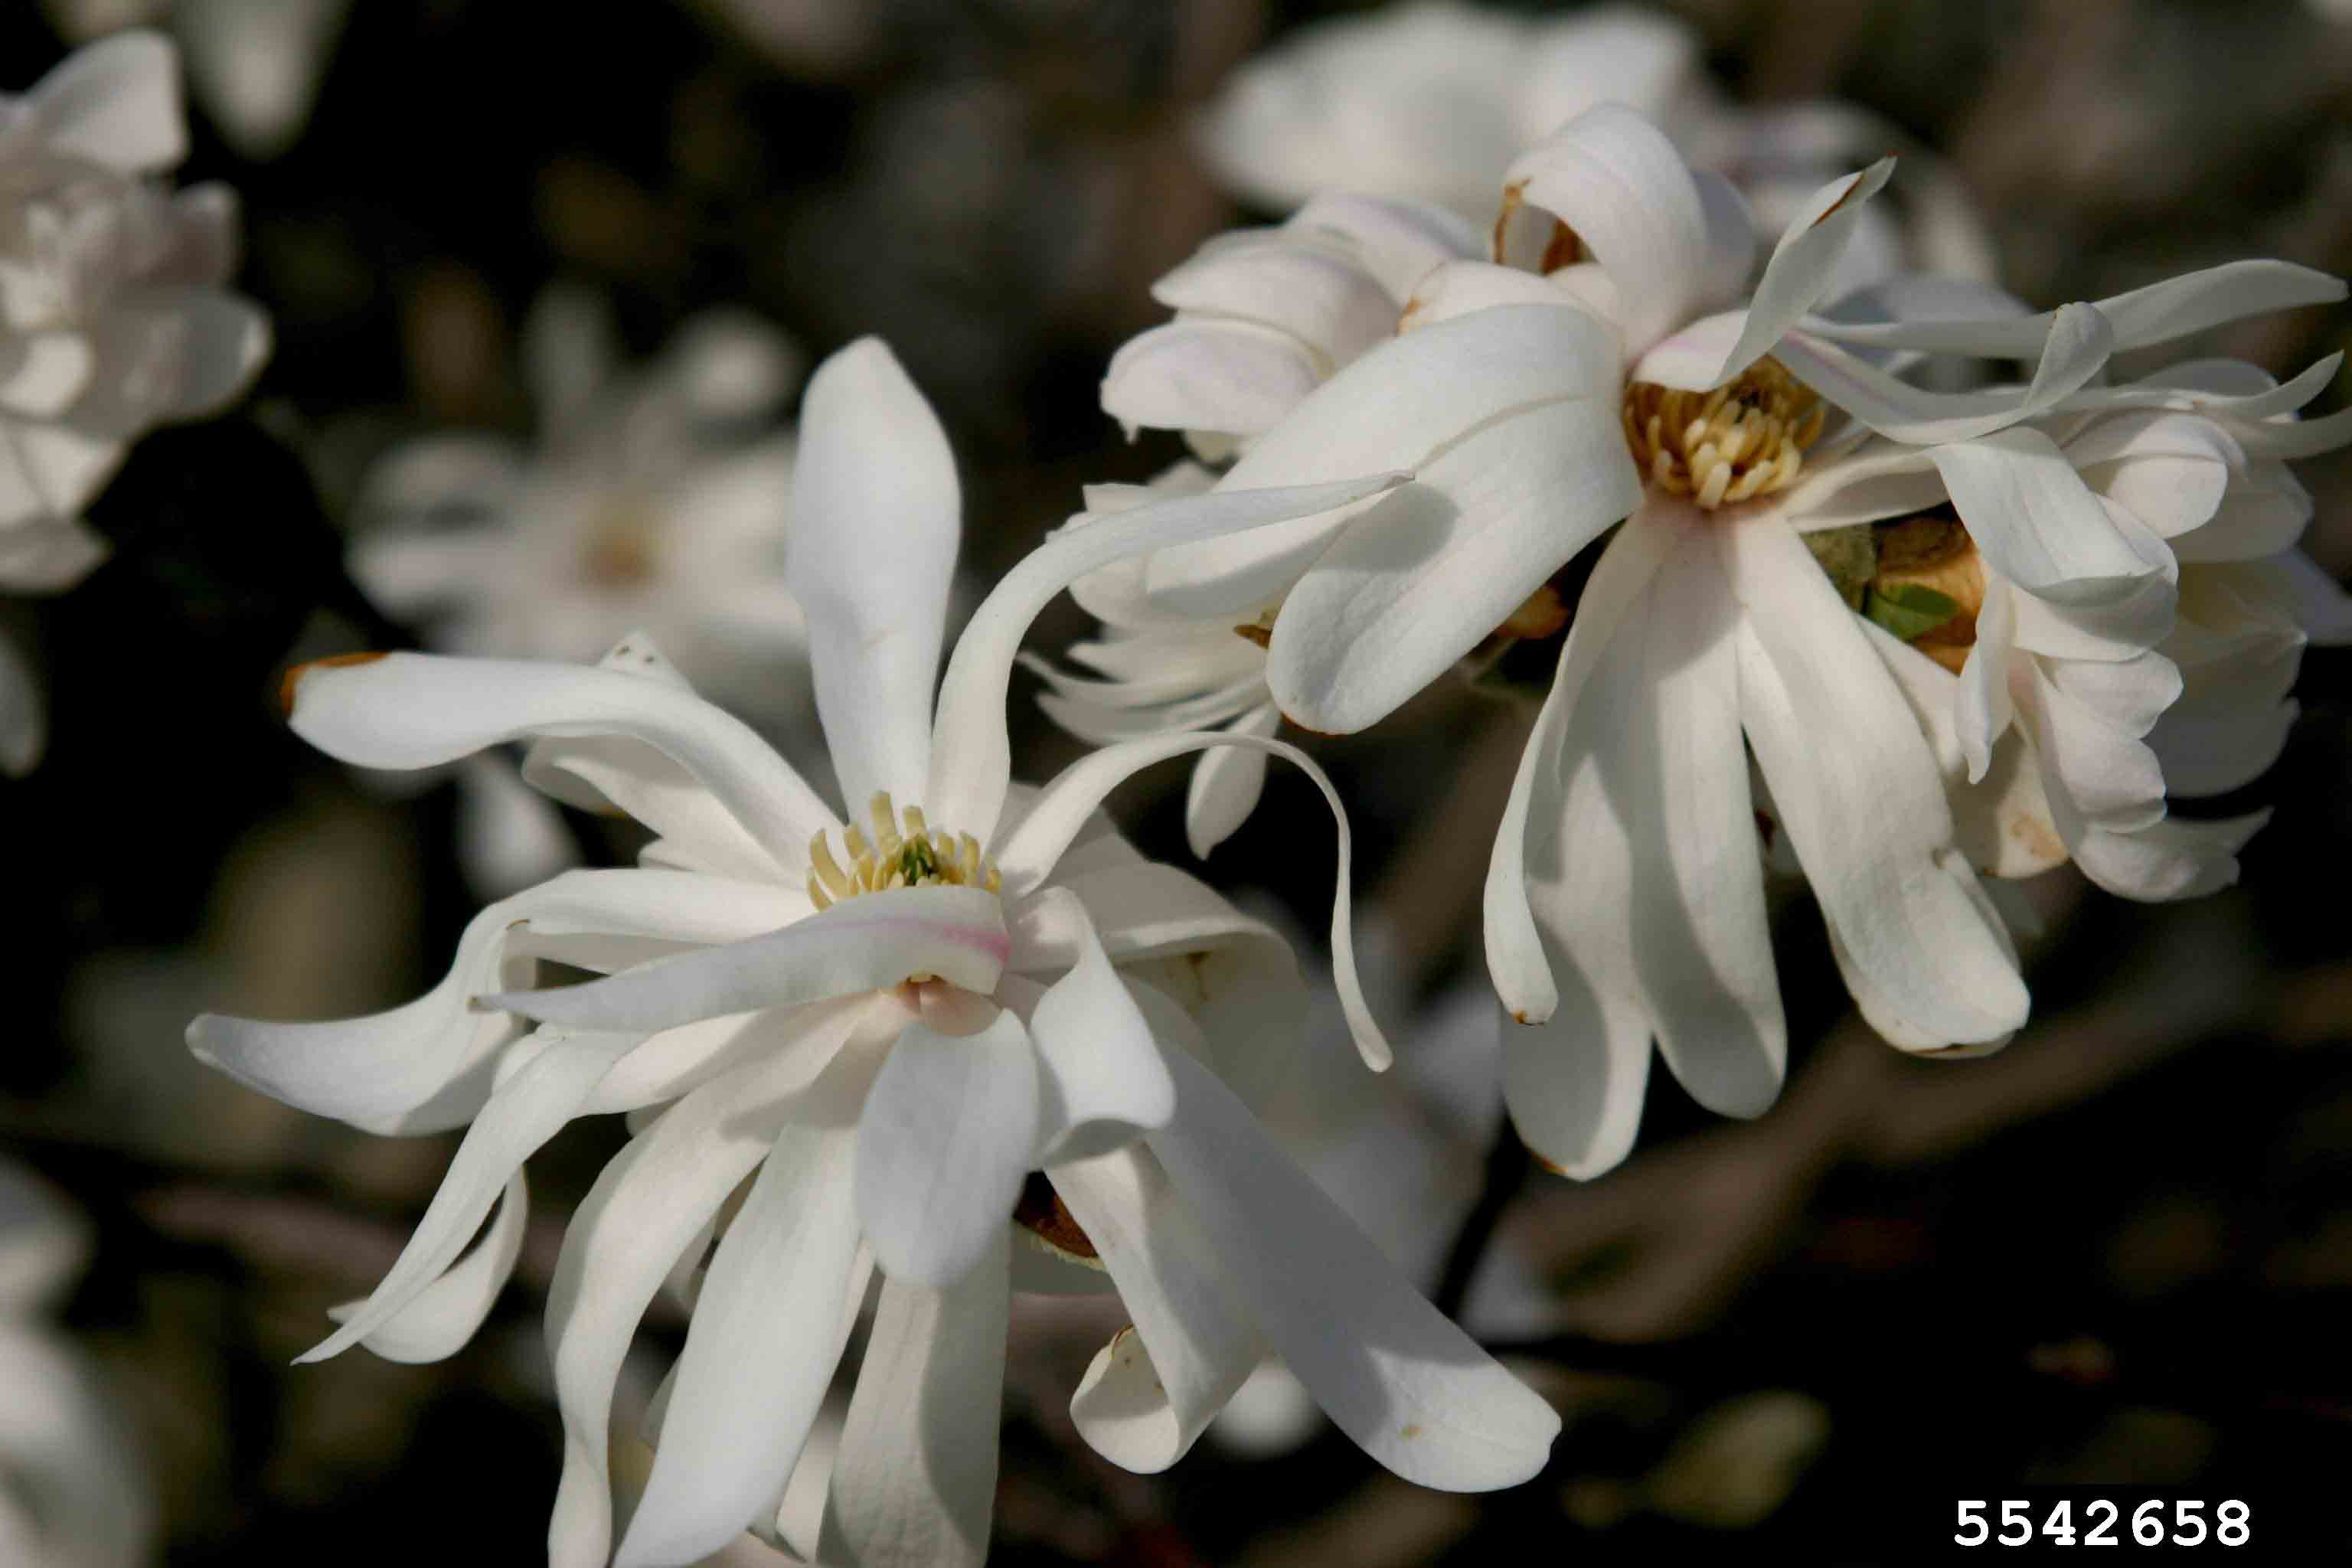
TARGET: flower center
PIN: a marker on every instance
(920, 857)
(1929, 585)
(1733, 444)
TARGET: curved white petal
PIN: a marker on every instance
(1803, 264)
(1860, 795)
(438, 1320)
(2176, 308)
(2035, 520)
(950, 1127)
(1419, 580)
(1514, 956)
(420, 1066)
(1321, 297)
(972, 758)
(914, 1481)
(2078, 347)
(1616, 180)
(647, 1204)
(1225, 377)
(1459, 288)
(1028, 855)
(876, 515)
(1151, 1392)
(417, 711)
(870, 942)
(769, 1326)
(1575, 1083)
(1397, 407)
(1980, 708)
(524, 1112)
(1408, 1386)
(1226, 783)
(1101, 1075)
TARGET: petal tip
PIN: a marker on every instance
(290, 687)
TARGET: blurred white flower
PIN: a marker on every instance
(654, 501)
(114, 313)
(73, 1492)
(1430, 102)
(254, 65)
(899, 1040)
(1592, 376)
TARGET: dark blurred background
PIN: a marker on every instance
(2120, 1252)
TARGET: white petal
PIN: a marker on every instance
(1397, 241)
(2263, 511)
(876, 518)
(2078, 348)
(1322, 299)
(41, 373)
(768, 1330)
(2170, 470)
(423, 1066)
(1859, 793)
(870, 942)
(1408, 1386)
(1229, 377)
(1028, 855)
(439, 1318)
(1980, 709)
(1459, 288)
(1513, 948)
(415, 711)
(914, 1482)
(1419, 580)
(1102, 1078)
(1396, 407)
(1673, 765)
(1226, 783)
(1150, 1392)
(524, 1112)
(2159, 313)
(948, 1133)
(1883, 1006)
(117, 103)
(648, 1202)
(43, 1244)
(1575, 1083)
(1615, 179)
(2175, 859)
(2036, 521)
(971, 753)
(1803, 264)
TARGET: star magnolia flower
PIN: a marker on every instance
(890, 1031)
(1592, 376)
(1430, 102)
(115, 316)
(653, 502)
(72, 1494)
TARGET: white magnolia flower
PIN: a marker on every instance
(1593, 376)
(653, 502)
(1430, 102)
(73, 1494)
(114, 313)
(887, 1037)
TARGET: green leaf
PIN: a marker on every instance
(1910, 610)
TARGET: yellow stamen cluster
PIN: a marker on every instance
(1733, 444)
(919, 856)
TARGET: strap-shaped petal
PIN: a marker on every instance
(417, 711)
(914, 1481)
(870, 942)
(876, 518)
(1103, 1079)
(117, 103)
(951, 1125)
(1616, 180)
(1409, 1387)
(2078, 346)
(438, 1320)
(972, 756)
(1396, 407)
(1028, 855)
(2037, 524)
